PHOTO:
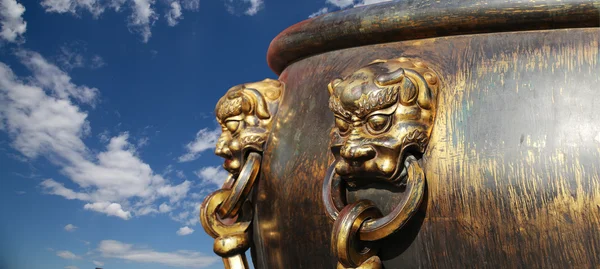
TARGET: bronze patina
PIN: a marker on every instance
(245, 114)
(418, 134)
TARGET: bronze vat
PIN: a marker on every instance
(418, 134)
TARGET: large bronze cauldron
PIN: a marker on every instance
(418, 134)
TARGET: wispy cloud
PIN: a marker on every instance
(180, 258)
(342, 4)
(43, 118)
(143, 13)
(248, 7)
(174, 14)
(97, 263)
(75, 55)
(185, 231)
(11, 18)
(70, 228)
(212, 174)
(255, 6)
(68, 255)
(142, 18)
(319, 12)
(205, 139)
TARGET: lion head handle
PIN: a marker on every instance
(383, 112)
(245, 114)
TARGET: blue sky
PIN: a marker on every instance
(107, 126)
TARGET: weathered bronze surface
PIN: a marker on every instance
(503, 171)
(245, 114)
(511, 166)
(384, 113)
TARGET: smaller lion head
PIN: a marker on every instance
(382, 112)
(245, 114)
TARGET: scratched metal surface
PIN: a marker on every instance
(415, 19)
(512, 167)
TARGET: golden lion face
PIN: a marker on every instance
(383, 112)
(245, 114)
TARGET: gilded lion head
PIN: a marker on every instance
(245, 114)
(383, 112)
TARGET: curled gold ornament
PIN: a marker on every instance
(230, 245)
(371, 263)
(241, 187)
(210, 221)
(384, 115)
(345, 241)
(381, 227)
(245, 114)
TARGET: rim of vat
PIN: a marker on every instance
(417, 19)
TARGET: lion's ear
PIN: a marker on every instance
(390, 78)
(260, 105)
(332, 85)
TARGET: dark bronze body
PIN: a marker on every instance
(513, 162)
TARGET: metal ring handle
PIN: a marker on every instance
(241, 187)
(344, 238)
(378, 228)
(334, 193)
(210, 220)
(228, 182)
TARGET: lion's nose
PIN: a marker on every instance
(222, 150)
(357, 153)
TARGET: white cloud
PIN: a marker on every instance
(185, 231)
(174, 14)
(248, 7)
(57, 188)
(97, 62)
(70, 228)
(319, 12)
(71, 267)
(97, 263)
(213, 174)
(129, 252)
(48, 123)
(111, 209)
(51, 77)
(142, 18)
(142, 142)
(255, 6)
(193, 5)
(205, 139)
(73, 6)
(163, 208)
(340, 3)
(370, 2)
(73, 55)
(65, 254)
(11, 18)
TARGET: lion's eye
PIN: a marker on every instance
(378, 123)
(232, 125)
(342, 125)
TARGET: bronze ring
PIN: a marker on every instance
(242, 187)
(375, 229)
(378, 228)
(333, 193)
(344, 238)
(210, 221)
(228, 182)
